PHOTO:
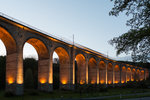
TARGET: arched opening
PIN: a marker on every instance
(43, 63)
(64, 63)
(2, 65)
(133, 74)
(123, 75)
(56, 73)
(142, 75)
(81, 69)
(117, 74)
(11, 58)
(92, 71)
(109, 74)
(128, 74)
(30, 67)
(102, 72)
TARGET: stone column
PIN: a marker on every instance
(14, 72)
(50, 80)
(98, 74)
(144, 74)
(113, 75)
(87, 76)
(126, 75)
(106, 73)
(44, 84)
(67, 72)
(131, 74)
(120, 75)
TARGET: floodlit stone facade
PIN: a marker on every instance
(93, 67)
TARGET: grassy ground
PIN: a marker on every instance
(36, 95)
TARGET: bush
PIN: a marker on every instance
(34, 93)
(9, 94)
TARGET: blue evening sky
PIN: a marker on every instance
(88, 20)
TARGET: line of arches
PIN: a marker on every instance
(101, 72)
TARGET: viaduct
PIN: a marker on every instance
(93, 67)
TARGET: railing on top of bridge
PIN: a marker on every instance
(53, 36)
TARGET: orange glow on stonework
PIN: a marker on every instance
(102, 81)
(116, 82)
(109, 82)
(10, 80)
(123, 82)
(64, 82)
(82, 82)
(42, 80)
(93, 82)
(128, 79)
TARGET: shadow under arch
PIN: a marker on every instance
(116, 74)
(110, 73)
(92, 71)
(123, 75)
(81, 69)
(128, 74)
(64, 66)
(43, 61)
(102, 72)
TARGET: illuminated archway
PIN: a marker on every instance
(30, 67)
(117, 74)
(102, 72)
(133, 74)
(92, 71)
(2, 65)
(11, 49)
(123, 75)
(128, 74)
(142, 75)
(43, 61)
(64, 65)
(109, 73)
(81, 69)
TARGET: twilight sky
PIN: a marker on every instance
(88, 20)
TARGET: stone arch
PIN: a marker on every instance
(123, 75)
(8, 41)
(102, 72)
(92, 71)
(43, 61)
(11, 49)
(64, 62)
(39, 46)
(128, 74)
(133, 74)
(81, 68)
(141, 75)
(117, 74)
(109, 73)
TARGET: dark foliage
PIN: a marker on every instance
(56, 78)
(137, 39)
(31, 73)
(2, 71)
